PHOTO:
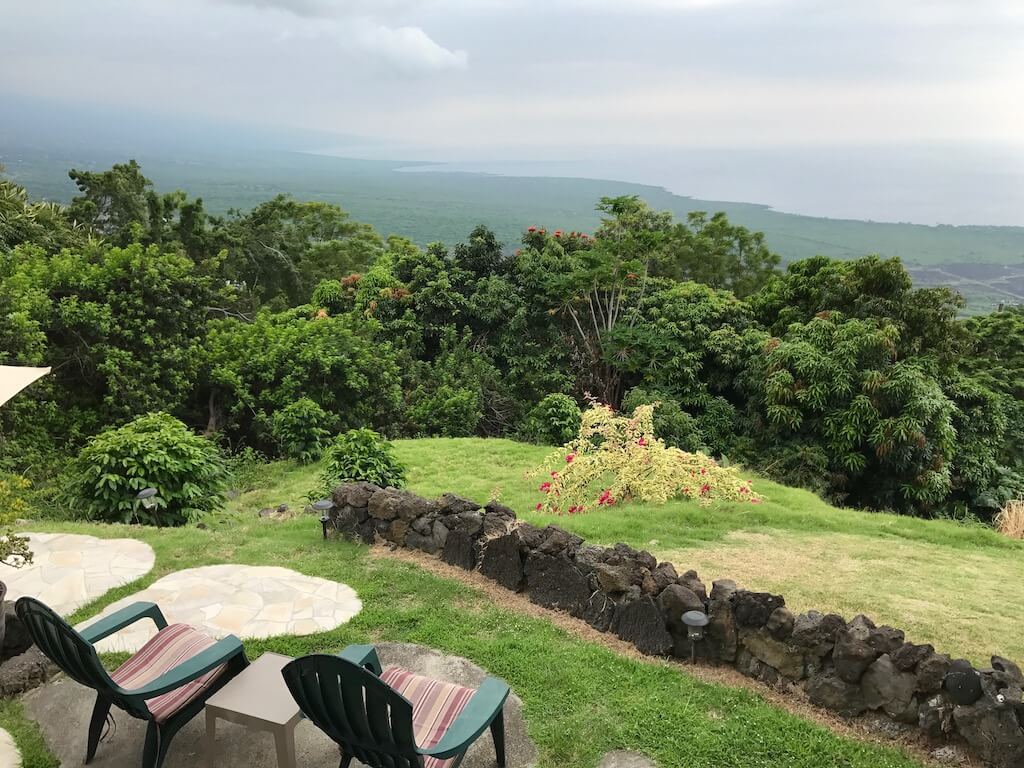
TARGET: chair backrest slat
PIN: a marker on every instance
(74, 655)
(363, 714)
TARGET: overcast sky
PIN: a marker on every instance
(480, 74)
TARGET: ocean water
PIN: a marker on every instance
(948, 184)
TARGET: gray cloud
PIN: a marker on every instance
(480, 74)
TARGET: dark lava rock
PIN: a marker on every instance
(909, 655)
(502, 561)
(889, 689)
(935, 718)
(470, 522)
(691, 581)
(559, 542)
(600, 612)
(613, 578)
(721, 634)
(24, 672)
(556, 582)
(530, 537)
(787, 659)
(15, 636)
(640, 622)
(752, 609)
(723, 589)
(817, 632)
(751, 666)
(674, 601)
(835, 694)
(459, 549)
(886, 639)
(354, 494)
(931, 671)
(451, 504)
(664, 575)
(992, 727)
(780, 623)
(853, 654)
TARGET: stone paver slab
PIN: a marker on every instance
(244, 600)
(69, 569)
(10, 756)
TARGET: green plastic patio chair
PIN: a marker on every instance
(153, 685)
(392, 718)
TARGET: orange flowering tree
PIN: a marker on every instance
(617, 458)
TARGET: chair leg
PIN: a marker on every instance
(346, 761)
(498, 734)
(152, 749)
(99, 717)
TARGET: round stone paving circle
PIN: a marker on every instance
(245, 600)
(68, 569)
(10, 757)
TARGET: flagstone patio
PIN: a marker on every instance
(10, 757)
(244, 600)
(68, 570)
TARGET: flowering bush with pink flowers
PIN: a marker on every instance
(617, 458)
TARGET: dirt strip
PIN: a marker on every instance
(794, 701)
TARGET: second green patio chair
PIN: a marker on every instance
(392, 718)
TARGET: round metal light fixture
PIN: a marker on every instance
(323, 506)
(695, 622)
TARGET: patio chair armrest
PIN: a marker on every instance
(486, 704)
(214, 656)
(363, 656)
(118, 620)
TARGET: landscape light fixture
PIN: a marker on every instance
(147, 499)
(695, 622)
(323, 506)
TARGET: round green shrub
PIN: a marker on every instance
(153, 451)
(672, 424)
(300, 430)
(554, 420)
(358, 455)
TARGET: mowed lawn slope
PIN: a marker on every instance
(955, 586)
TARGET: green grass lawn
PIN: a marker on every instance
(580, 698)
(952, 585)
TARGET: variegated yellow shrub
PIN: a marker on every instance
(617, 458)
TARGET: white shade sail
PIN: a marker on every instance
(14, 378)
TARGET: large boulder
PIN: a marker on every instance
(817, 632)
(835, 694)
(909, 655)
(452, 504)
(427, 535)
(853, 653)
(992, 726)
(558, 542)
(786, 658)
(354, 494)
(557, 582)
(384, 504)
(692, 582)
(886, 687)
(931, 671)
(498, 519)
(674, 601)
(780, 623)
(460, 549)
(722, 635)
(752, 609)
(723, 589)
(502, 561)
(640, 622)
(613, 579)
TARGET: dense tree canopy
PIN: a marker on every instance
(277, 327)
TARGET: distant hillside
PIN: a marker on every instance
(984, 263)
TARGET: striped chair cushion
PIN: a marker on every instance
(170, 647)
(435, 705)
